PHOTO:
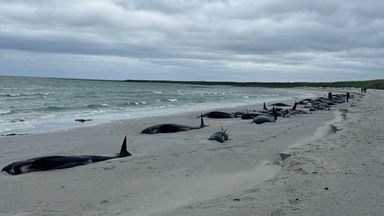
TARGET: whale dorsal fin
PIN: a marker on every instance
(294, 106)
(264, 107)
(123, 151)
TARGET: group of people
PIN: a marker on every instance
(363, 90)
(330, 95)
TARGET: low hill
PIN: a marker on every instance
(370, 84)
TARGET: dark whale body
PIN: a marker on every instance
(238, 114)
(279, 104)
(82, 120)
(59, 162)
(219, 136)
(266, 118)
(262, 119)
(251, 115)
(218, 114)
(170, 128)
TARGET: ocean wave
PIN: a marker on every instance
(97, 112)
(172, 99)
(12, 95)
(157, 92)
(54, 108)
(23, 94)
(17, 120)
(267, 95)
(161, 107)
(136, 103)
(5, 112)
(96, 106)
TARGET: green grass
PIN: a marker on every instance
(370, 84)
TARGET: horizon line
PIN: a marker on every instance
(187, 81)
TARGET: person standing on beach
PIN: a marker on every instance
(330, 95)
(348, 96)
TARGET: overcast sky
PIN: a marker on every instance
(236, 40)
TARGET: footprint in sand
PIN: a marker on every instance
(219, 148)
(278, 212)
(109, 168)
(174, 155)
(294, 201)
(104, 202)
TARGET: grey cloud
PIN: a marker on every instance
(199, 38)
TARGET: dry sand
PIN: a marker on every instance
(329, 172)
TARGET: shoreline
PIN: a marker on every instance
(66, 120)
(164, 167)
(316, 92)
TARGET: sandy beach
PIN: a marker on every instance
(328, 172)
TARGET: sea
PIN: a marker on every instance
(37, 105)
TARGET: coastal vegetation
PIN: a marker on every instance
(370, 84)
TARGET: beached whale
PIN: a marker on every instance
(238, 114)
(219, 136)
(59, 162)
(218, 114)
(263, 118)
(293, 111)
(251, 115)
(278, 111)
(279, 104)
(171, 128)
(305, 101)
(266, 118)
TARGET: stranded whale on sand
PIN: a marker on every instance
(279, 104)
(251, 115)
(266, 118)
(60, 162)
(171, 128)
(218, 114)
(219, 136)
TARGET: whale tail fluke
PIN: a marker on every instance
(123, 151)
(223, 134)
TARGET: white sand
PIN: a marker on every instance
(185, 174)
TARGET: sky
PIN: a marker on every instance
(210, 40)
